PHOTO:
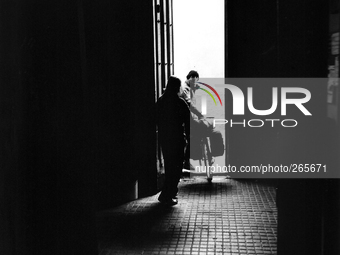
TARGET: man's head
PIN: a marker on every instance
(174, 85)
(192, 78)
(192, 74)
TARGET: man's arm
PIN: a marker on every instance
(195, 111)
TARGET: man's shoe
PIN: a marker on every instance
(168, 201)
(185, 173)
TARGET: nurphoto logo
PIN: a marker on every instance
(204, 99)
(238, 104)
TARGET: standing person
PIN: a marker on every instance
(173, 122)
(189, 96)
(189, 93)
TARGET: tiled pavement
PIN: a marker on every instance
(225, 217)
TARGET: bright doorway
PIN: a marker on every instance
(199, 44)
(199, 41)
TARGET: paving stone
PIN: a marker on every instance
(225, 217)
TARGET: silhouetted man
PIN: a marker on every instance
(173, 118)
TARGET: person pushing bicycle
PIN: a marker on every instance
(196, 122)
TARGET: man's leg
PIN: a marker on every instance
(187, 164)
(173, 164)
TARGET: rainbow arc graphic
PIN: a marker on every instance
(210, 93)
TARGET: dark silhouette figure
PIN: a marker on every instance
(173, 118)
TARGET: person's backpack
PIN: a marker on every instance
(216, 143)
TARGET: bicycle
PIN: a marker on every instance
(206, 160)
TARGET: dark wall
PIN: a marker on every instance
(13, 136)
(276, 40)
(287, 39)
(120, 96)
(77, 129)
(251, 38)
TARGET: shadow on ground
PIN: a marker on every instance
(130, 229)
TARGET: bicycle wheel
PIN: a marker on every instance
(206, 158)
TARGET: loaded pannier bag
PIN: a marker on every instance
(195, 148)
(216, 143)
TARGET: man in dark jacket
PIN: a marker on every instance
(173, 122)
